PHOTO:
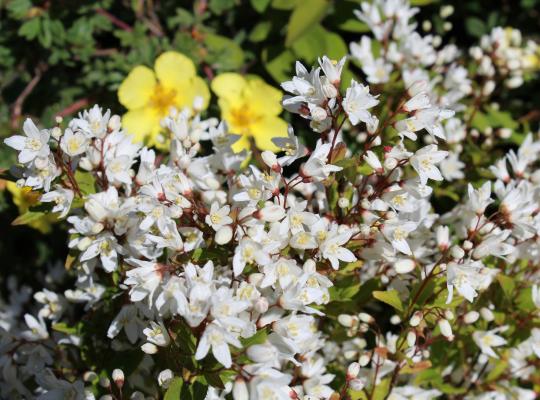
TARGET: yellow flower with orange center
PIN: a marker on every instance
(149, 95)
(251, 109)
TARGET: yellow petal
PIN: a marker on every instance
(173, 68)
(267, 128)
(229, 86)
(262, 98)
(136, 90)
(241, 144)
(187, 91)
(142, 124)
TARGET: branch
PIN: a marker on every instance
(17, 106)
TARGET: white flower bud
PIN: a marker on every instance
(198, 103)
(467, 245)
(488, 88)
(149, 348)
(165, 377)
(404, 266)
(104, 382)
(357, 384)
(471, 317)
(487, 314)
(318, 113)
(115, 123)
(56, 133)
(329, 90)
(416, 319)
(390, 163)
(310, 266)
(364, 360)
(346, 320)
(457, 252)
(343, 202)
(353, 370)
(411, 338)
(365, 317)
(224, 235)
(240, 390)
(118, 377)
(90, 376)
(395, 319)
(446, 329)
(106, 397)
(273, 213)
(449, 315)
(270, 159)
(261, 305)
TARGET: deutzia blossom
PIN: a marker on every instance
(424, 162)
(217, 339)
(33, 145)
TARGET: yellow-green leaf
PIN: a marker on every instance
(390, 297)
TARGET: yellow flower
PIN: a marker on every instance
(251, 108)
(149, 95)
(24, 198)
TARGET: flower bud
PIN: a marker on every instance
(89, 376)
(261, 305)
(224, 235)
(346, 320)
(365, 317)
(240, 390)
(165, 377)
(446, 329)
(115, 123)
(487, 314)
(411, 338)
(467, 245)
(390, 163)
(273, 213)
(395, 319)
(404, 266)
(353, 370)
(416, 319)
(118, 377)
(364, 360)
(471, 317)
(343, 202)
(318, 114)
(457, 252)
(357, 384)
(56, 132)
(104, 382)
(149, 348)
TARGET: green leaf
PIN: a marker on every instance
(507, 284)
(278, 63)
(28, 217)
(316, 42)
(260, 5)
(480, 121)
(475, 26)
(30, 29)
(86, 182)
(284, 4)
(304, 16)
(390, 297)
(257, 338)
(174, 390)
(223, 53)
(260, 31)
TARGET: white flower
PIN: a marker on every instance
(332, 69)
(248, 252)
(356, 103)
(218, 217)
(157, 334)
(424, 162)
(396, 232)
(128, 321)
(34, 145)
(74, 143)
(466, 278)
(217, 339)
(486, 340)
(332, 249)
(62, 199)
(316, 166)
(38, 329)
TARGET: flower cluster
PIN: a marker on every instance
(214, 270)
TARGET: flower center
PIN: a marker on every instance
(162, 100)
(242, 118)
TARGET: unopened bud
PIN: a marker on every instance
(224, 235)
(165, 377)
(404, 266)
(261, 305)
(115, 123)
(471, 317)
(365, 317)
(357, 384)
(240, 390)
(457, 252)
(411, 338)
(364, 360)
(416, 319)
(118, 377)
(487, 314)
(343, 202)
(149, 348)
(353, 370)
(446, 329)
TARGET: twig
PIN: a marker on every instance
(114, 20)
(74, 107)
(17, 106)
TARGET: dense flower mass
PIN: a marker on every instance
(321, 267)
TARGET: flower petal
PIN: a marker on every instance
(229, 86)
(142, 124)
(173, 68)
(267, 128)
(136, 90)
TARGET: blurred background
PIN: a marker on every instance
(59, 57)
